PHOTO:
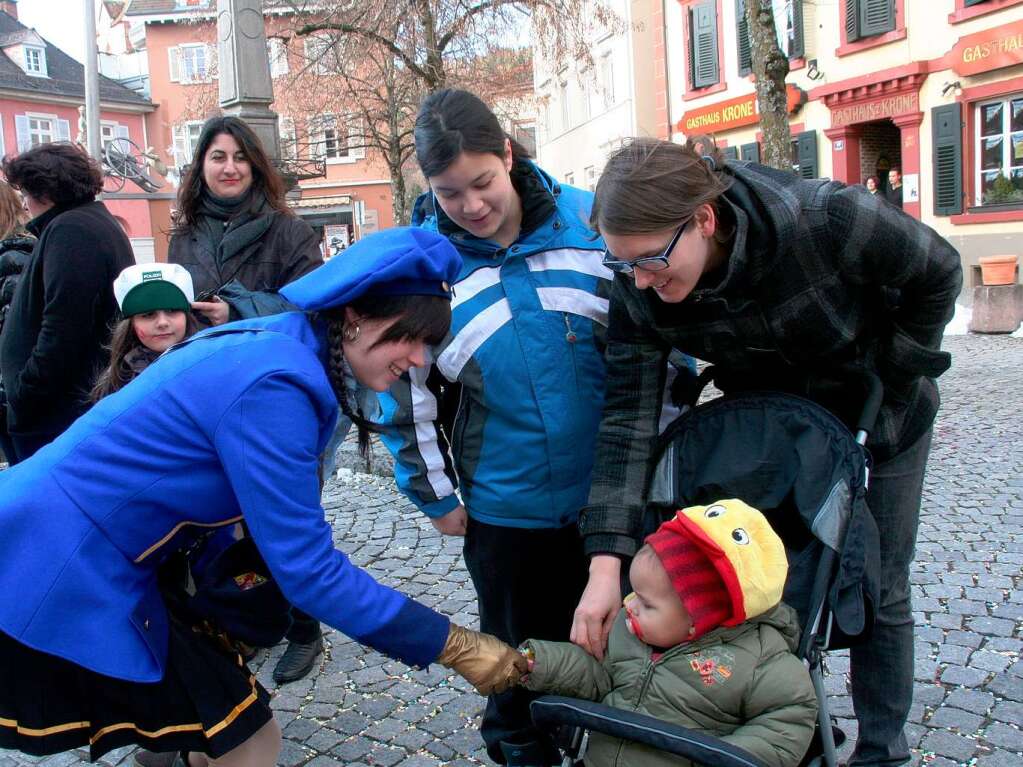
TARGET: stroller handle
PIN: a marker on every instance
(552, 711)
(874, 391)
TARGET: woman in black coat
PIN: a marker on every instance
(774, 279)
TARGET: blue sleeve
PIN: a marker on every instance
(267, 442)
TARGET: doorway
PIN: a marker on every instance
(880, 150)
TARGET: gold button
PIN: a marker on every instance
(445, 287)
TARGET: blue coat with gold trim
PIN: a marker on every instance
(227, 426)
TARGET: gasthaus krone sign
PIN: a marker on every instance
(988, 50)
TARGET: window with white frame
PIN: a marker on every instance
(277, 50)
(35, 60)
(336, 139)
(607, 80)
(186, 139)
(41, 130)
(1000, 151)
(591, 178)
(110, 132)
(321, 53)
(190, 63)
(289, 139)
(566, 108)
(570, 178)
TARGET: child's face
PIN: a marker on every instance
(159, 330)
(654, 611)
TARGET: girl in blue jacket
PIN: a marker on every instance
(237, 416)
(523, 366)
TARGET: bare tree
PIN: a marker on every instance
(770, 67)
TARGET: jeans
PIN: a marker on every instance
(882, 668)
(528, 583)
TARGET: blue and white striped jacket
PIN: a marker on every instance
(526, 352)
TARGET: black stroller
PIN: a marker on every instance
(804, 469)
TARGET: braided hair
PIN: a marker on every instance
(416, 318)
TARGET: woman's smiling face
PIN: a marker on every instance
(476, 192)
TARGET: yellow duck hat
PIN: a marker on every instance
(744, 549)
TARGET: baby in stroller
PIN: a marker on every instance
(704, 642)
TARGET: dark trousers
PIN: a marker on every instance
(882, 668)
(528, 584)
(305, 629)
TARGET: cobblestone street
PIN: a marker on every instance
(359, 708)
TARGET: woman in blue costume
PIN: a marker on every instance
(237, 417)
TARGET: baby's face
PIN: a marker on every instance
(654, 612)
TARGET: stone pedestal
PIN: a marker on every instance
(246, 88)
(997, 308)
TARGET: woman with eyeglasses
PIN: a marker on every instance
(775, 280)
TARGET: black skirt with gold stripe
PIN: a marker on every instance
(208, 701)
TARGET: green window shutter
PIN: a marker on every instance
(797, 47)
(947, 138)
(876, 17)
(743, 43)
(704, 37)
(730, 153)
(852, 20)
(750, 152)
(968, 3)
(806, 151)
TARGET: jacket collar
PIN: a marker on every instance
(764, 211)
(40, 222)
(537, 191)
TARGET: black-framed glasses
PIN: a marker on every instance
(650, 263)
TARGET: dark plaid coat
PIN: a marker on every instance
(820, 275)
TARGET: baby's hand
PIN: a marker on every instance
(530, 655)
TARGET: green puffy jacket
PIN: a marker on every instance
(742, 684)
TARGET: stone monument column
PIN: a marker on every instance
(246, 89)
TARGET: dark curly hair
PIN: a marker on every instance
(61, 173)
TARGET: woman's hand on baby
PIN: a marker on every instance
(598, 606)
(215, 311)
(452, 523)
(487, 663)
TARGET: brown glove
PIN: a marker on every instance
(490, 665)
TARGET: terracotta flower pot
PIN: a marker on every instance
(998, 270)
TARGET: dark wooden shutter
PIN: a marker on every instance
(797, 47)
(730, 153)
(806, 151)
(947, 138)
(743, 43)
(750, 152)
(876, 17)
(704, 34)
(852, 20)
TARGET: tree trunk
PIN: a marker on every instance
(770, 67)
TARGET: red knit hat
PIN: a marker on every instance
(693, 576)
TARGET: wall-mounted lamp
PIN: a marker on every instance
(811, 70)
(953, 86)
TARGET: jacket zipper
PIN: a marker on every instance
(648, 675)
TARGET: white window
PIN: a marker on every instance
(35, 60)
(35, 129)
(1000, 151)
(289, 139)
(566, 108)
(337, 139)
(570, 178)
(277, 50)
(190, 63)
(321, 55)
(40, 130)
(591, 178)
(186, 139)
(607, 79)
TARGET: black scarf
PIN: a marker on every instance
(229, 224)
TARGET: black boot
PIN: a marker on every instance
(530, 754)
(297, 661)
